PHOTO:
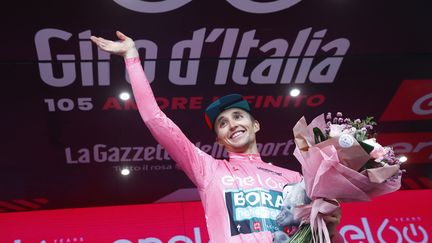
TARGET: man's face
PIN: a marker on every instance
(235, 130)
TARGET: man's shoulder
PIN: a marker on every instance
(287, 171)
(277, 170)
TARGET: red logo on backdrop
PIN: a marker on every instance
(412, 101)
(416, 146)
(402, 216)
(403, 229)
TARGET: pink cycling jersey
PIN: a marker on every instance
(241, 197)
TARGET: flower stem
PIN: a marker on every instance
(303, 235)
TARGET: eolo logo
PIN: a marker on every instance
(249, 6)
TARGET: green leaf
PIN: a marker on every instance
(319, 135)
(368, 148)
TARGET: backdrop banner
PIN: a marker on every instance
(66, 134)
(403, 216)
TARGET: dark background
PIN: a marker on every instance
(389, 44)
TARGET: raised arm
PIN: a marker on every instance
(196, 164)
(143, 93)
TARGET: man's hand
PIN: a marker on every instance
(332, 220)
(124, 47)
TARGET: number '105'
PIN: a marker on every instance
(66, 104)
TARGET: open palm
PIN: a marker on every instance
(123, 47)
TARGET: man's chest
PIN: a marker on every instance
(248, 177)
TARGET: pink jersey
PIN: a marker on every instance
(241, 197)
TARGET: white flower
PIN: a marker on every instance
(379, 151)
(336, 130)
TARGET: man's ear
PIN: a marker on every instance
(256, 125)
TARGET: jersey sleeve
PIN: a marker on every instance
(197, 165)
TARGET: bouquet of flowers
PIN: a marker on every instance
(340, 160)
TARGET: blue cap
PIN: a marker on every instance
(224, 103)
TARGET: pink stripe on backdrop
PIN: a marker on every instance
(11, 206)
(26, 203)
(40, 200)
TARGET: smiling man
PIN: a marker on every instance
(235, 130)
(241, 196)
(235, 127)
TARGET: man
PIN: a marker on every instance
(241, 196)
